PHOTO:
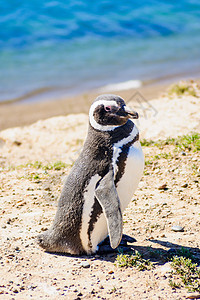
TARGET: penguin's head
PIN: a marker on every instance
(109, 112)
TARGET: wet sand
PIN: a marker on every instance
(25, 113)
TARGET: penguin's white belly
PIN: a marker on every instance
(134, 166)
(126, 187)
(132, 174)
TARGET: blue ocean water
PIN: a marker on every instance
(67, 47)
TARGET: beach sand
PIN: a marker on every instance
(34, 162)
(24, 113)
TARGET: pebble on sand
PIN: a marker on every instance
(177, 228)
(84, 264)
(163, 187)
(193, 296)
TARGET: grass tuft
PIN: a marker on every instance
(58, 165)
(185, 273)
(133, 260)
(183, 88)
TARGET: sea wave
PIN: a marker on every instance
(120, 86)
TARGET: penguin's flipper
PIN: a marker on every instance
(107, 196)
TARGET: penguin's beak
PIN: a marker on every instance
(131, 113)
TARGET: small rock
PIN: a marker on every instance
(32, 287)
(177, 228)
(163, 236)
(46, 187)
(17, 143)
(163, 187)
(44, 229)
(101, 287)
(193, 296)
(85, 264)
(184, 185)
(110, 272)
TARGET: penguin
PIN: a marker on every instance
(101, 182)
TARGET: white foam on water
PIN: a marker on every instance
(126, 85)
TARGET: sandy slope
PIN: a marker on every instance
(29, 195)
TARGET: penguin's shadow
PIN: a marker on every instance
(160, 256)
(157, 255)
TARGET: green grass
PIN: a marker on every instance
(33, 176)
(185, 253)
(174, 284)
(51, 166)
(148, 162)
(58, 165)
(146, 143)
(189, 142)
(133, 260)
(185, 142)
(182, 88)
(181, 252)
(163, 155)
(151, 159)
(185, 273)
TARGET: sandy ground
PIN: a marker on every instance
(29, 193)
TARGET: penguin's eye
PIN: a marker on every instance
(107, 108)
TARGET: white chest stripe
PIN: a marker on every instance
(117, 147)
(87, 210)
(128, 139)
(94, 124)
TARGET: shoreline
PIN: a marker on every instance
(26, 113)
(44, 94)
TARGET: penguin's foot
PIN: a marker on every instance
(128, 239)
(104, 247)
(125, 239)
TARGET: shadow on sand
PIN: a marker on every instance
(157, 255)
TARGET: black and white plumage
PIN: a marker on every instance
(101, 182)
